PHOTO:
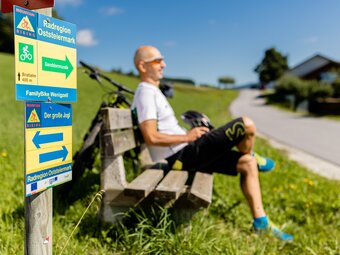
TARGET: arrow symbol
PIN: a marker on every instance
(39, 139)
(53, 155)
(57, 65)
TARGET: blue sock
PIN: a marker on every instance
(262, 224)
(264, 164)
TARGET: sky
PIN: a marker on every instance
(203, 40)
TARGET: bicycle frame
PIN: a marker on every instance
(85, 157)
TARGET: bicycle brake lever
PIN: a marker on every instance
(94, 76)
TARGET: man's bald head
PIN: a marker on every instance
(150, 64)
(146, 53)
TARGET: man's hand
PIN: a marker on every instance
(196, 133)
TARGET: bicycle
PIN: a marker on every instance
(85, 157)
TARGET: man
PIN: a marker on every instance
(198, 149)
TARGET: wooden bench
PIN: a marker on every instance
(118, 136)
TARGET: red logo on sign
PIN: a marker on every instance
(7, 5)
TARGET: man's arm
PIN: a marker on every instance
(153, 137)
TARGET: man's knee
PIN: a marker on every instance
(247, 165)
(247, 143)
(249, 124)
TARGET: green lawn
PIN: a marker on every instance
(297, 200)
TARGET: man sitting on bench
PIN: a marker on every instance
(198, 149)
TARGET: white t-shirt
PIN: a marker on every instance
(151, 104)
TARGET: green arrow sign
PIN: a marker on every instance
(57, 65)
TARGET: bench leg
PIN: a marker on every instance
(184, 210)
(112, 214)
(113, 210)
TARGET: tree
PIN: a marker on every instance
(6, 33)
(272, 67)
(226, 80)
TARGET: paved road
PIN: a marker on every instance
(312, 141)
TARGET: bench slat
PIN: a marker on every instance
(144, 184)
(123, 141)
(115, 118)
(172, 185)
(116, 143)
(201, 189)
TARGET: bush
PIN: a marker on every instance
(287, 85)
(320, 90)
(292, 85)
(302, 90)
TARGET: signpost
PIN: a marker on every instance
(45, 75)
(45, 62)
(45, 58)
(48, 150)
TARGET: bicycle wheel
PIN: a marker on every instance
(85, 157)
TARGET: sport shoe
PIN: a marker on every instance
(271, 229)
(264, 164)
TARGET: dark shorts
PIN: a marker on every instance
(212, 152)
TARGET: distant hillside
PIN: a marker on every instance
(131, 73)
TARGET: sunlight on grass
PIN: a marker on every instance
(298, 201)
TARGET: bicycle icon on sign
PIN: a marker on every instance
(25, 53)
(24, 25)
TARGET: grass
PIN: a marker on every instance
(297, 200)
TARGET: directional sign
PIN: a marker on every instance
(39, 139)
(48, 145)
(52, 155)
(57, 66)
(45, 58)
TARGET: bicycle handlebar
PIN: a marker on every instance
(95, 74)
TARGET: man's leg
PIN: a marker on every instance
(213, 145)
(250, 184)
(212, 153)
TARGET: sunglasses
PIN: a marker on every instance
(155, 61)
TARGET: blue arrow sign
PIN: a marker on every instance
(53, 155)
(39, 139)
